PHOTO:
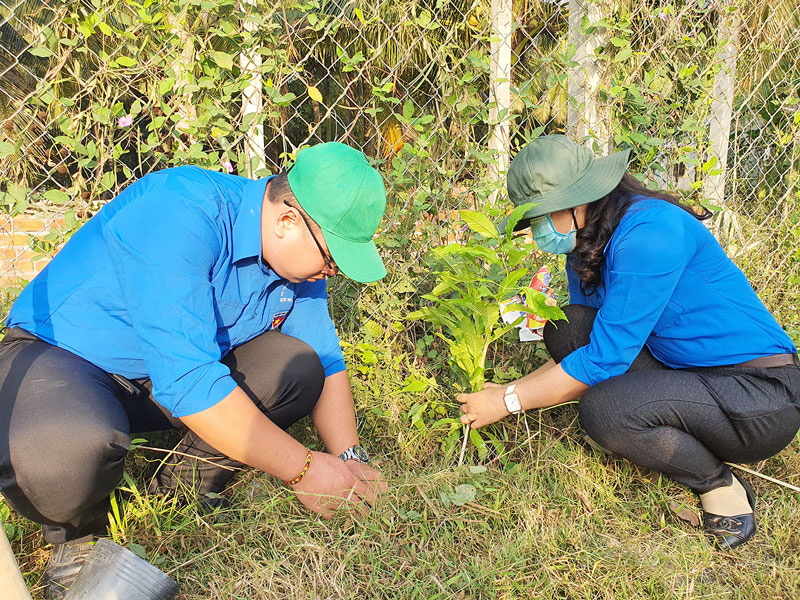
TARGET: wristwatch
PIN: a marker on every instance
(512, 400)
(355, 453)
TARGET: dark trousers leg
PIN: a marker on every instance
(283, 377)
(65, 424)
(63, 437)
(685, 423)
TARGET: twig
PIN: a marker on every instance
(767, 477)
(196, 558)
(427, 501)
(484, 510)
(206, 460)
(433, 533)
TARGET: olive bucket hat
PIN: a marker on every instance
(346, 197)
(556, 173)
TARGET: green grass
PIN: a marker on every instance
(558, 520)
(552, 517)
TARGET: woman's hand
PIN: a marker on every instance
(330, 484)
(484, 407)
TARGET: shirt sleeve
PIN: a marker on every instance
(164, 267)
(643, 268)
(310, 321)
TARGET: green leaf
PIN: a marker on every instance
(56, 196)
(166, 85)
(637, 137)
(424, 19)
(41, 51)
(7, 149)
(109, 180)
(138, 550)
(477, 441)
(70, 220)
(472, 251)
(623, 55)
(408, 110)
(516, 215)
(709, 164)
(126, 61)
(479, 223)
(441, 288)
(414, 385)
(464, 492)
(223, 59)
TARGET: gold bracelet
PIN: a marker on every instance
(302, 473)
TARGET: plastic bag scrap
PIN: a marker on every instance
(531, 326)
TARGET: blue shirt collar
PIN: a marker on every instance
(247, 227)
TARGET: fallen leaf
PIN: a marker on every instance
(685, 514)
(584, 500)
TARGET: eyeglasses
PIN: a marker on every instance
(329, 266)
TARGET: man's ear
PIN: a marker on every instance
(285, 220)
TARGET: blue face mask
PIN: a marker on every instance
(545, 235)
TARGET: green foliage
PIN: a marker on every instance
(473, 278)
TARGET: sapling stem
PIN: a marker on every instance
(463, 445)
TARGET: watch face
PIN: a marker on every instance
(512, 403)
(360, 454)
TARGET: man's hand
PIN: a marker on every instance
(329, 484)
(372, 478)
(484, 407)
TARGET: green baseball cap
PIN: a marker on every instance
(556, 173)
(346, 197)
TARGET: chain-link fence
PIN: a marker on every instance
(438, 93)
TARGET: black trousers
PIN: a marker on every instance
(66, 425)
(683, 422)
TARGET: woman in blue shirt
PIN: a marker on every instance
(678, 364)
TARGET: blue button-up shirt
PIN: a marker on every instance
(668, 285)
(165, 280)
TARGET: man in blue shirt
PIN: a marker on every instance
(195, 300)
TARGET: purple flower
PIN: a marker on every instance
(126, 121)
(663, 17)
(227, 166)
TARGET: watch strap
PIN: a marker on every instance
(355, 453)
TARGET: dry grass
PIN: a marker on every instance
(555, 519)
(558, 520)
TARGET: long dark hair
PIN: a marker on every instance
(602, 218)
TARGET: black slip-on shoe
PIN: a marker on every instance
(63, 566)
(731, 532)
